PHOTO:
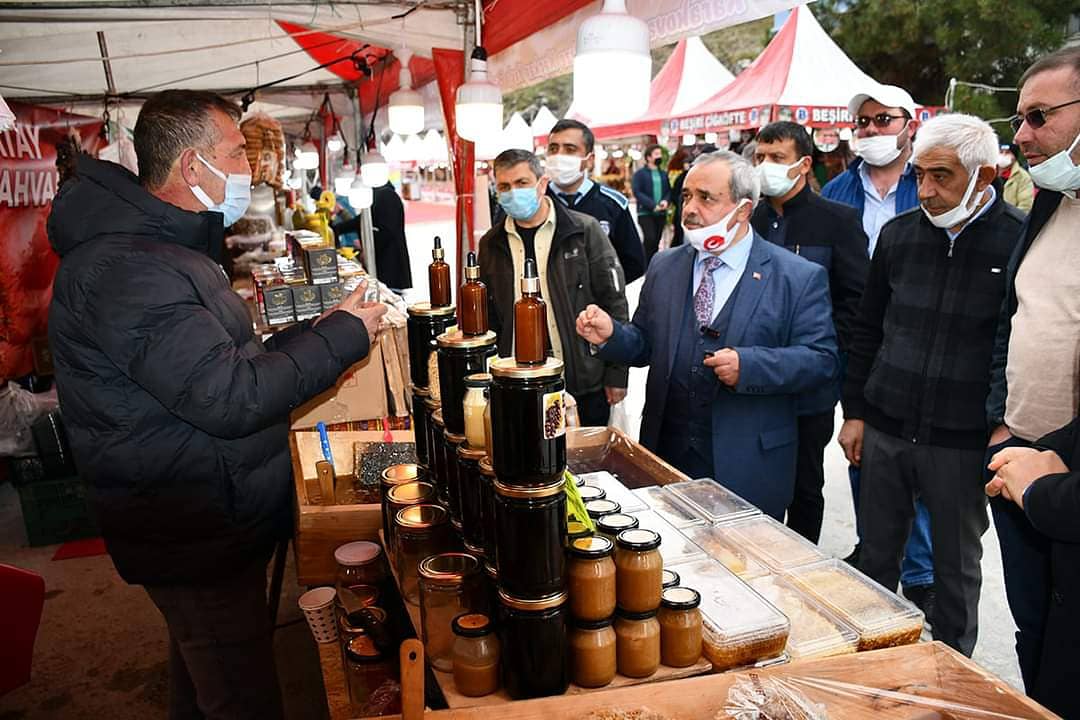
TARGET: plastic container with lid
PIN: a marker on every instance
(668, 506)
(477, 387)
(533, 637)
(530, 529)
(815, 630)
(675, 547)
(601, 507)
(588, 492)
(528, 422)
(669, 578)
(639, 570)
(720, 543)
(420, 532)
(680, 627)
(615, 490)
(450, 584)
(712, 501)
(740, 626)
(469, 488)
(612, 524)
(475, 655)
(593, 657)
(637, 642)
(400, 497)
(590, 576)
(361, 569)
(881, 618)
(774, 544)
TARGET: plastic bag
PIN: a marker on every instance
(19, 409)
(620, 419)
(766, 698)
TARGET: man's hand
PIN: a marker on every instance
(595, 325)
(1001, 434)
(615, 395)
(1017, 471)
(725, 363)
(663, 205)
(368, 312)
(851, 439)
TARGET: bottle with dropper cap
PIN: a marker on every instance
(530, 320)
(472, 300)
(439, 276)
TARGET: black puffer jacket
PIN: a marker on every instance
(177, 414)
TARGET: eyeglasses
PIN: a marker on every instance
(881, 120)
(1036, 118)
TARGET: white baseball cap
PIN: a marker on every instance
(887, 95)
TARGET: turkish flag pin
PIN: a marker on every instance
(757, 276)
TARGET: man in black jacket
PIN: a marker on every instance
(178, 415)
(577, 267)
(1034, 375)
(919, 369)
(391, 249)
(830, 234)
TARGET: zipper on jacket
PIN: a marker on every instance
(952, 244)
(797, 249)
(929, 350)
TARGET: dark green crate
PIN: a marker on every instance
(55, 511)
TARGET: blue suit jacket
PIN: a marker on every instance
(781, 327)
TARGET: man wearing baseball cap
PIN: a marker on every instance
(881, 184)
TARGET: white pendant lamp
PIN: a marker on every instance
(307, 156)
(414, 149)
(612, 65)
(406, 108)
(374, 170)
(478, 109)
(689, 139)
(360, 195)
(711, 137)
(334, 143)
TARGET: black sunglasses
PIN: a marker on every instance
(1036, 118)
(881, 120)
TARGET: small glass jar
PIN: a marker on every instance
(637, 638)
(590, 576)
(472, 516)
(530, 525)
(437, 451)
(487, 510)
(453, 477)
(533, 639)
(450, 584)
(402, 496)
(421, 531)
(475, 655)
(369, 674)
(669, 578)
(576, 530)
(475, 403)
(600, 507)
(680, 627)
(590, 492)
(612, 524)
(361, 573)
(391, 476)
(370, 621)
(593, 658)
(639, 570)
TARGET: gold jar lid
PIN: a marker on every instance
(448, 568)
(453, 438)
(397, 474)
(421, 517)
(538, 605)
(478, 380)
(431, 403)
(464, 452)
(486, 468)
(411, 493)
(437, 418)
(530, 493)
(509, 368)
(458, 340)
(425, 309)
(421, 391)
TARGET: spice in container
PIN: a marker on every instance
(639, 570)
(591, 578)
(530, 320)
(475, 655)
(472, 300)
(593, 657)
(680, 627)
(475, 403)
(637, 639)
(439, 276)
(450, 584)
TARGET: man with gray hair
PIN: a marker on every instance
(918, 370)
(733, 329)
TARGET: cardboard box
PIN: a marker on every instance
(318, 260)
(278, 301)
(307, 302)
(331, 295)
(360, 394)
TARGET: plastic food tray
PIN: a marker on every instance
(675, 548)
(628, 501)
(740, 626)
(719, 542)
(776, 546)
(668, 506)
(881, 618)
(713, 501)
(815, 630)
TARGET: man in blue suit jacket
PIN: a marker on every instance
(733, 330)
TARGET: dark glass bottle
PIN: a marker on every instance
(530, 320)
(473, 301)
(439, 276)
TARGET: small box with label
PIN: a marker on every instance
(278, 303)
(307, 300)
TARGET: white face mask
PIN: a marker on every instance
(237, 194)
(564, 170)
(717, 237)
(879, 150)
(960, 213)
(774, 178)
(1058, 173)
(1004, 161)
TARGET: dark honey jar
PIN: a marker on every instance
(487, 511)
(533, 636)
(530, 528)
(461, 355)
(420, 419)
(425, 323)
(437, 447)
(469, 482)
(528, 422)
(451, 443)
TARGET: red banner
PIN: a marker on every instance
(28, 181)
(450, 74)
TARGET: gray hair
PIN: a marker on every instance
(744, 183)
(1068, 56)
(515, 156)
(171, 122)
(974, 141)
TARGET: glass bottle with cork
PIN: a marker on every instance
(472, 300)
(530, 320)
(439, 276)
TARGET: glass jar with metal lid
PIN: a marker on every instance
(530, 524)
(477, 389)
(639, 570)
(425, 323)
(453, 476)
(575, 530)
(592, 652)
(533, 637)
(487, 510)
(590, 575)
(437, 450)
(669, 578)
(475, 655)
(450, 584)
(601, 507)
(400, 497)
(612, 524)
(370, 621)
(637, 640)
(469, 483)
(369, 674)
(391, 476)
(680, 627)
(461, 355)
(361, 568)
(419, 424)
(421, 531)
(591, 492)
(491, 576)
(528, 422)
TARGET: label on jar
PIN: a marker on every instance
(554, 415)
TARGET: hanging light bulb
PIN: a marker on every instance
(612, 44)
(406, 108)
(360, 194)
(296, 180)
(334, 143)
(374, 170)
(689, 139)
(307, 156)
(478, 108)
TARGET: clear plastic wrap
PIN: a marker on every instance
(775, 545)
(628, 501)
(713, 501)
(719, 542)
(815, 630)
(764, 698)
(675, 547)
(667, 505)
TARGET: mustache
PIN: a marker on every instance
(692, 218)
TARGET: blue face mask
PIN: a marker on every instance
(520, 203)
(237, 194)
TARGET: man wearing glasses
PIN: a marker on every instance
(881, 184)
(1035, 373)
